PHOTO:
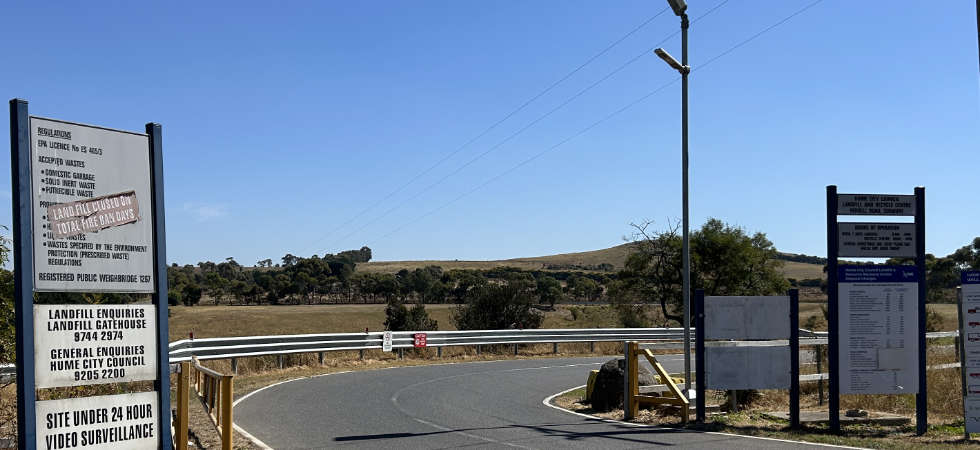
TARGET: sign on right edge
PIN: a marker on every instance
(970, 304)
(878, 317)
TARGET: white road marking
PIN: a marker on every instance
(547, 402)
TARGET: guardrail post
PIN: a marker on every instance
(282, 362)
(626, 381)
(592, 347)
(477, 350)
(438, 351)
(401, 353)
(319, 357)
(234, 366)
(819, 351)
(362, 353)
(183, 385)
(554, 348)
(515, 349)
(226, 412)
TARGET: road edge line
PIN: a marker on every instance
(547, 402)
(258, 442)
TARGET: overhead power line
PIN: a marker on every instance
(492, 126)
(603, 120)
(531, 124)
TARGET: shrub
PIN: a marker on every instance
(497, 307)
(934, 320)
(399, 318)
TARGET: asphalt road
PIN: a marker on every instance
(473, 405)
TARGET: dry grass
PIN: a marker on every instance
(947, 312)
(945, 413)
(802, 271)
(228, 321)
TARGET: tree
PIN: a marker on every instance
(968, 256)
(289, 260)
(215, 286)
(462, 281)
(725, 260)
(8, 333)
(549, 290)
(400, 318)
(191, 294)
(495, 307)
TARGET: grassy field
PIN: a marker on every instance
(229, 321)
(802, 271)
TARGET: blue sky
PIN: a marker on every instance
(288, 128)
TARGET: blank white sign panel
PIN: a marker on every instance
(746, 318)
(747, 367)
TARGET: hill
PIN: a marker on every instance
(604, 260)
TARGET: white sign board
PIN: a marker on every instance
(386, 341)
(91, 208)
(75, 345)
(878, 316)
(876, 240)
(746, 317)
(970, 305)
(875, 205)
(756, 367)
(124, 422)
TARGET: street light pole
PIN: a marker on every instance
(686, 245)
(680, 9)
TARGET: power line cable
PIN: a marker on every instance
(530, 124)
(604, 119)
(494, 125)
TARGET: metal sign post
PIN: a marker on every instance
(763, 364)
(891, 363)
(20, 163)
(89, 217)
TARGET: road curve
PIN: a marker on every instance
(475, 405)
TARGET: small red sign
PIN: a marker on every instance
(419, 339)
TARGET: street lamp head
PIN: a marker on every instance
(679, 6)
(669, 59)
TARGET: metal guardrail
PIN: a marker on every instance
(237, 347)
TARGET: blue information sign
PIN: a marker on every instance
(970, 277)
(878, 274)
